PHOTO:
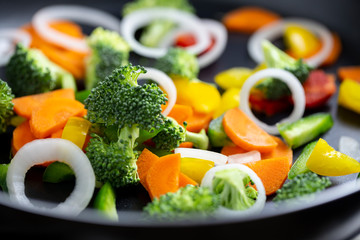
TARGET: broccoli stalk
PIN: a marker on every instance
(232, 185)
(6, 105)
(29, 71)
(275, 58)
(108, 51)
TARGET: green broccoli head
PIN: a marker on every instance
(108, 52)
(234, 188)
(6, 105)
(178, 62)
(188, 202)
(29, 71)
(302, 185)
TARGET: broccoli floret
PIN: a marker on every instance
(275, 58)
(302, 185)
(108, 51)
(178, 62)
(188, 202)
(233, 187)
(157, 29)
(29, 71)
(119, 108)
(173, 134)
(6, 105)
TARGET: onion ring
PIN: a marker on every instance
(217, 158)
(79, 13)
(276, 29)
(18, 36)
(165, 82)
(259, 204)
(43, 150)
(140, 18)
(294, 85)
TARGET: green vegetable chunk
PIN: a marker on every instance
(305, 129)
(299, 167)
(302, 185)
(3, 171)
(216, 133)
(6, 106)
(232, 185)
(105, 202)
(58, 172)
(187, 203)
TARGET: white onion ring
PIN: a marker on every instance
(259, 204)
(242, 158)
(165, 82)
(219, 32)
(17, 36)
(43, 150)
(217, 158)
(86, 15)
(276, 29)
(140, 18)
(294, 85)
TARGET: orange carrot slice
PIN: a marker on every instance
(245, 133)
(21, 135)
(52, 115)
(231, 150)
(281, 150)
(145, 160)
(181, 113)
(57, 134)
(198, 121)
(163, 175)
(186, 145)
(351, 72)
(185, 180)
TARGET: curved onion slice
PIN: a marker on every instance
(140, 18)
(165, 82)
(260, 201)
(7, 39)
(217, 158)
(81, 14)
(276, 29)
(294, 85)
(219, 32)
(251, 156)
(43, 150)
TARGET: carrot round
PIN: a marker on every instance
(248, 19)
(57, 134)
(231, 150)
(145, 160)
(281, 150)
(181, 113)
(198, 121)
(186, 145)
(21, 135)
(245, 133)
(52, 115)
(185, 180)
(351, 72)
(272, 172)
(163, 176)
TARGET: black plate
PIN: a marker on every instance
(334, 214)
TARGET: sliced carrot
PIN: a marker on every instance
(163, 175)
(181, 113)
(24, 106)
(351, 72)
(145, 160)
(186, 145)
(231, 150)
(185, 180)
(272, 172)
(52, 115)
(281, 150)
(57, 134)
(21, 135)
(198, 121)
(245, 133)
(248, 19)
(335, 51)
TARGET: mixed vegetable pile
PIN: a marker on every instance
(76, 107)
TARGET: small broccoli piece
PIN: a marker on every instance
(188, 202)
(157, 29)
(108, 51)
(178, 63)
(275, 58)
(233, 187)
(173, 134)
(302, 185)
(29, 71)
(119, 108)
(6, 105)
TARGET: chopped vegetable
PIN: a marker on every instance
(281, 150)
(58, 172)
(348, 95)
(299, 166)
(306, 129)
(3, 172)
(198, 121)
(233, 77)
(184, 180)
(22, 134)
(6, 105)
(195, 168)
(269, 107)
(181, 113)
(229, 99)
(232, 149)
(336, 51)
(216, 133)
(105, 202)
(246, 157)
(145, 160)
(302, 185)
(217, 158)
(76, 130)
(349, 72)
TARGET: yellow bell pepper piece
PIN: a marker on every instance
(76, 130)
(230, 99)
(300, 41)
(349, 95)
(326, 161)
(195, 168)
(233, 77)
